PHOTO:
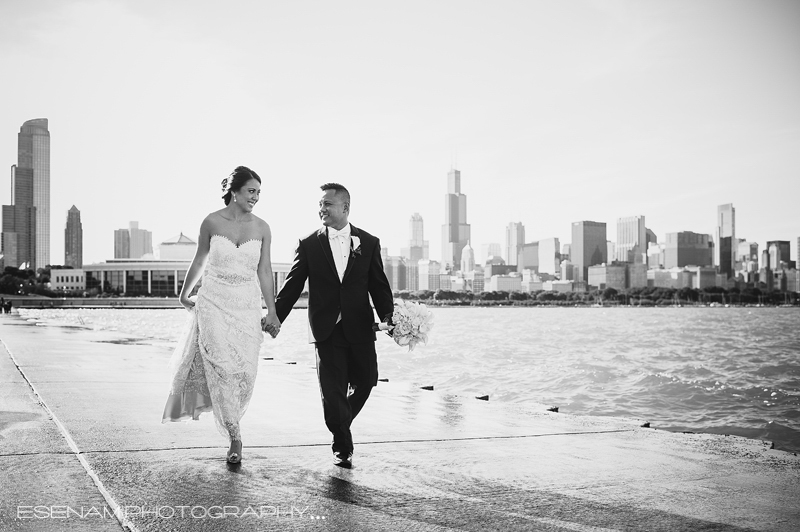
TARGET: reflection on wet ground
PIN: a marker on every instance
(423, 460)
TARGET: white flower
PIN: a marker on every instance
(412, 321)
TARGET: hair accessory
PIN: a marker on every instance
(226, 185)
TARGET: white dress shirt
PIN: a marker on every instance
(340, 247)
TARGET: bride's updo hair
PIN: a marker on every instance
(236, 181)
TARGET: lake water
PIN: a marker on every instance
(721, 370)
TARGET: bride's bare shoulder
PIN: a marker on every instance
(213, 220)
(263, 226)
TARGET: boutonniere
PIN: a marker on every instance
(356, 246)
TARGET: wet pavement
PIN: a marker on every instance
(82, 448)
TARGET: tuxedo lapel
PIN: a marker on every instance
(352, 257)
(322, 236)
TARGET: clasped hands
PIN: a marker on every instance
(271, 324)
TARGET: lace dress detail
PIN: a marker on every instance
(215, 362)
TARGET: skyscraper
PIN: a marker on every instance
(141, 241)
(588, 247)
(528, 257)
(490, 250)
(549, 256)
(417, 246)
(73, 239)
(542, 256)
(456, 230)
(467, 259)
(631, 238)
(746, 254)
(515, 239)
(122, 244)
(33, 153)
(779, 251)
(428, 275)
(132, 243)
(688, 249)
(19, 221)
(395, 270)
(651, 239)
(726, 239)
(566, 251)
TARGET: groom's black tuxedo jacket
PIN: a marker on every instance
(327, 296)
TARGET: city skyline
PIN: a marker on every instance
(133, 242)
(554, 114)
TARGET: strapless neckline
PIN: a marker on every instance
(237, 246)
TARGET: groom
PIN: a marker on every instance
(343, 267)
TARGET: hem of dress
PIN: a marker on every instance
(186, 406)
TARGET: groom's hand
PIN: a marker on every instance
(390, 324)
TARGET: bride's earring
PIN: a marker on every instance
(234, 198)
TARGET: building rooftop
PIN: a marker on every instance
(180, 239)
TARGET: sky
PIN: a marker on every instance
(554, 112)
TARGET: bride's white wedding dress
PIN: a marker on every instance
(215, 363)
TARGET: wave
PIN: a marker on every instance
(729, 371)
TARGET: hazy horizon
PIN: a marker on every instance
(553, 112)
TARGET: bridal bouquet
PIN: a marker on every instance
(412, 323)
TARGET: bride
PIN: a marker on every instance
(214, 365)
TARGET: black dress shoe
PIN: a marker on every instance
(344, 460)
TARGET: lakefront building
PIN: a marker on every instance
(456, 230)
(179, 247)
(67, 280)
(157, 277)
(150, 277)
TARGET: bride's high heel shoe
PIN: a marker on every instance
(235, 452)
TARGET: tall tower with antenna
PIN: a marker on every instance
(456, 230)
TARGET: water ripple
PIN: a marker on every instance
(719, 370)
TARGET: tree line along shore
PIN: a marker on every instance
(637, 297)
(31, 289)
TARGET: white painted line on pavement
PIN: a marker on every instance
(118, 511)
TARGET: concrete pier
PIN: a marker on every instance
(82, 447)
